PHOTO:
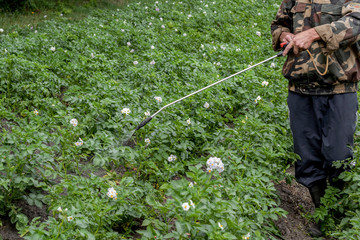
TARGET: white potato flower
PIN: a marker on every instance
(221, 226)
(172, 158)
(147, 113)
(186, 206)
(70, 218)
(264, 83)
(158, 99)
(74, 122)
(214, 163)
(247, 236)
(257, 99)
(188, 121)
(147, 141)
(125, 111)
(258, 33)
(79, 143)
(206, 105)
(53, 49)
(112, 193)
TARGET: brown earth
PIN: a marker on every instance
(296, 200)
(8, 230)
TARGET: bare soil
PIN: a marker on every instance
(296, 200)
(8, 230)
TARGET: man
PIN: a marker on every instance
(323, 69)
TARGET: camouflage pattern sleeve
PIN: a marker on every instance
(345, 29)
(282, 23)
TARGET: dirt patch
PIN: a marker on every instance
(8, 230)
(296, 200)
(32, 211)
(4, 125)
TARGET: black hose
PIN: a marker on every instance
(143, 123)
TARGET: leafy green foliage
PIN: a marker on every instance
(93, 69)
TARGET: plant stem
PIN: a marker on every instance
(57, 237)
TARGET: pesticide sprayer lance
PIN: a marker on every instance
(146, 121)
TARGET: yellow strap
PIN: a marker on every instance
(313, 60)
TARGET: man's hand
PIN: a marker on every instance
(300, 41)
(286, 37)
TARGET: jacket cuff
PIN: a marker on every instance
(276, 37)
(327, 35)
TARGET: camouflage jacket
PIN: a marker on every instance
(338, 24)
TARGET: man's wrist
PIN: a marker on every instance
(314, 34)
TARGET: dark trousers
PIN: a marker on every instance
(323, 130)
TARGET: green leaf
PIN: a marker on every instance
(179, 227)
(99, 161)
(86, 233)
(165, 186)
(146, 222)
(38, 203)
(170, 235)
(260, 218)
(228, 235)
(145, 233)
(81, 223)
